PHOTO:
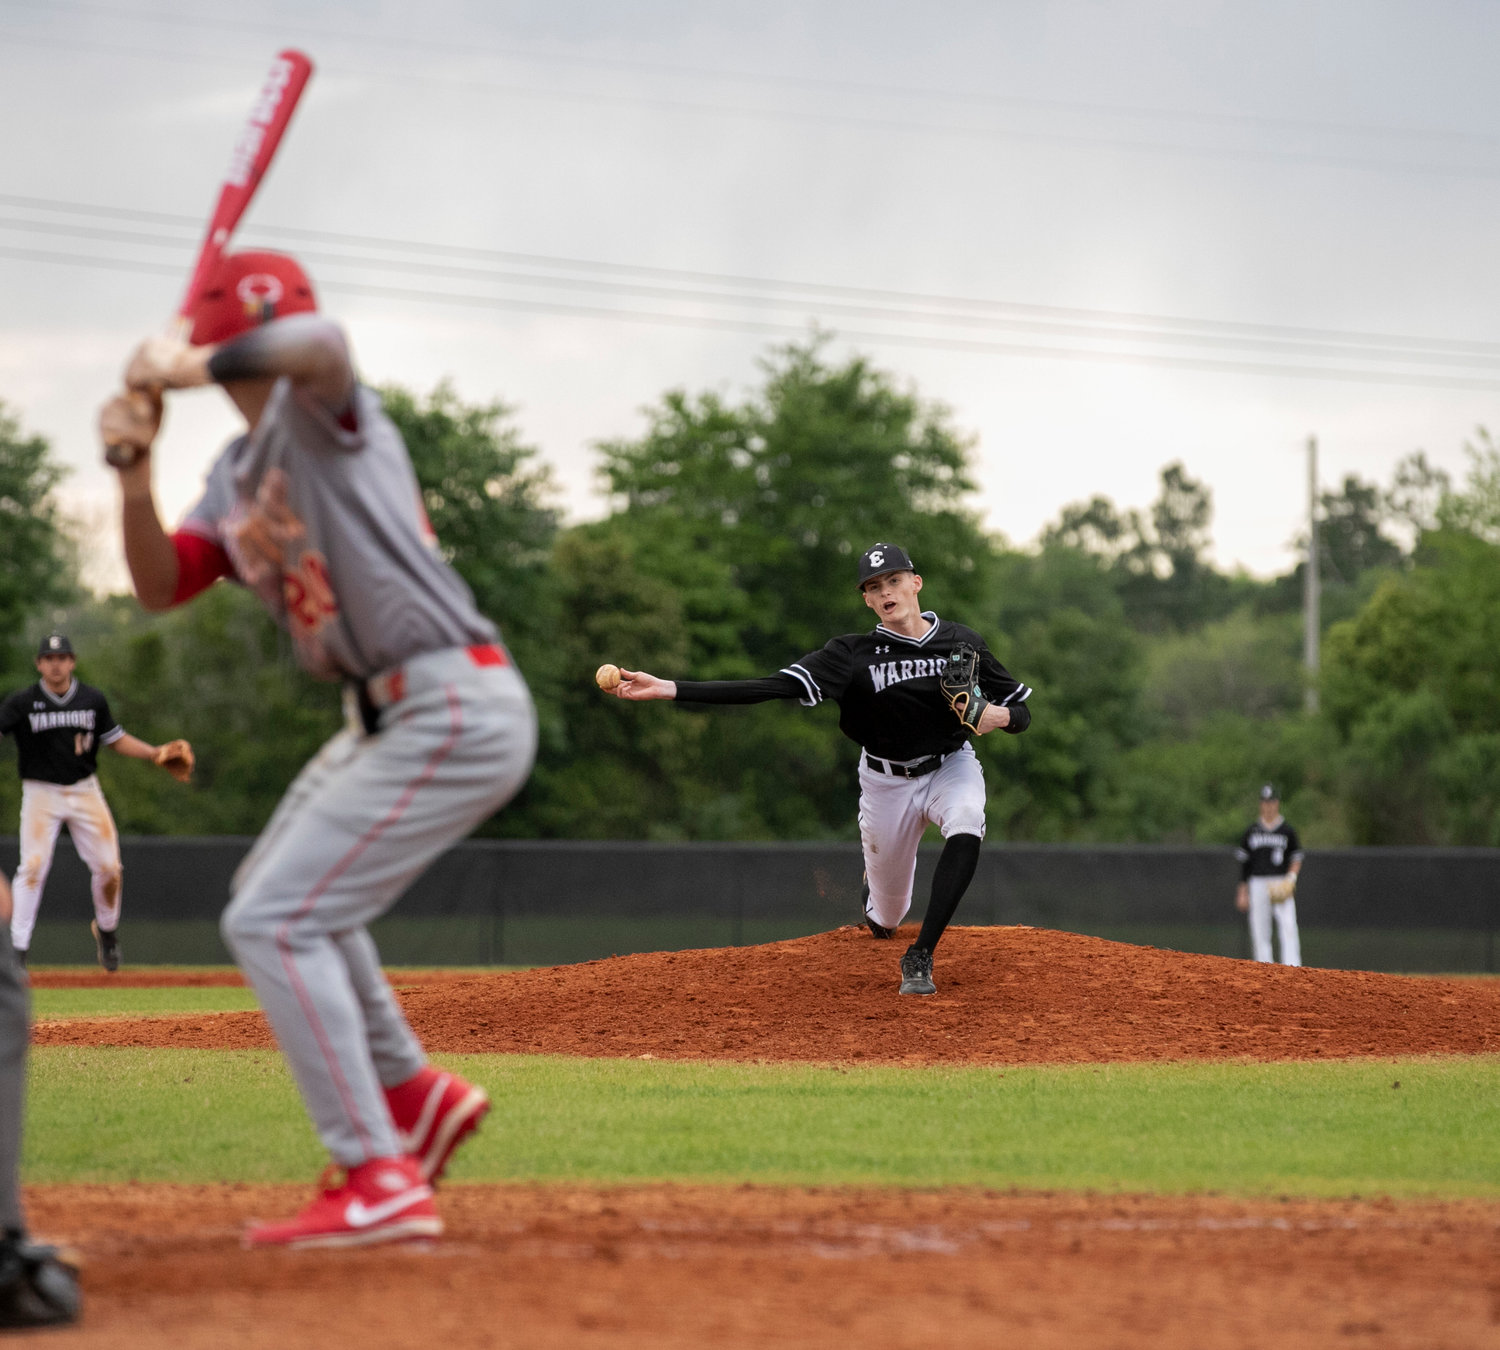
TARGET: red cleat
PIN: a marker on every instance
(434, 1113)
(382, 1200)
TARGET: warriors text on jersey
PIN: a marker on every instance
(1268, 850)
(58, 735)
(886, 686)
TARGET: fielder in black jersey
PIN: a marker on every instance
(917, 766)
(59, 724)
(1270, 858)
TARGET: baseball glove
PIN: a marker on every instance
(1283, 888)
(176, 757)
(960, 685)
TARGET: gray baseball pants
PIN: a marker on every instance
(894, 812)
(359, 824)
(15, 1036)
(1262, 911)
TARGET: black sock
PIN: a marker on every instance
(955, 870)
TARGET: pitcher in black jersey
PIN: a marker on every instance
(59, 725)
(916, 765)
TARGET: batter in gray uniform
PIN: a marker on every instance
(318, 511)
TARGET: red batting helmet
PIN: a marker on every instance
(246, 290)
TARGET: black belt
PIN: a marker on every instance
(917, 770)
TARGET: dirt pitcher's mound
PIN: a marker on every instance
(1005, 995)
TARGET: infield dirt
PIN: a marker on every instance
(684, 1268)
(692, 1266)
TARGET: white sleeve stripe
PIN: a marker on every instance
(1241, 855)
(814, 694)
(1019, 694)
(110, 737)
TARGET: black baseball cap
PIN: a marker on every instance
(1268, 793)
(55, 644)
(879, 559)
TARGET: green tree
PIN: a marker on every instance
(784, 489)
(1201, 788)
(36, 561)
(487, 499)
(1244, 664)
(1061, 626)
(1411, 687)
(1417, 491)
(1158, 563)
(1475, 508)
(751, 514)
(1351, 539)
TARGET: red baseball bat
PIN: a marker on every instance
(252, 156)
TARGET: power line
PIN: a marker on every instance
(974, 346)
(884, 125)
(1164, 326)
(406, 43)
(1098, 332)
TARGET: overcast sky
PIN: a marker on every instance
(1106, 235)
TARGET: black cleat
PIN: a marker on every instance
(21, 956)
(916, 972)
(877, 929)
(108, 945)
(38, 1285)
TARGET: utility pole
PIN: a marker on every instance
(1310, 589)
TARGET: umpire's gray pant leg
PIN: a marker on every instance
(15, 1035)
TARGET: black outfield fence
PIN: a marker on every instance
(544, 902)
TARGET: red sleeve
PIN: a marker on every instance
(200, 563)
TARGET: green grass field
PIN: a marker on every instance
(53, 1003)
(144, 1002)
(1340, 1128)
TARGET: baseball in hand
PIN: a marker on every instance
(607, 677)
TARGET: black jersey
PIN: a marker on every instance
(886, 686)
(1268, 850)
(58, 736)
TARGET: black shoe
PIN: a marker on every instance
(21, 956)
(877, 929)
(108, 945)
(916, 972)
(38, 1287)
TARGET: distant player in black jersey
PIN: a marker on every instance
(1270, 857)
(917, 766)
(59, 725)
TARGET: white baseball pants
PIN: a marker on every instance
(1261, 913)
(45, 808)
(893, 814)
(360, 823)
